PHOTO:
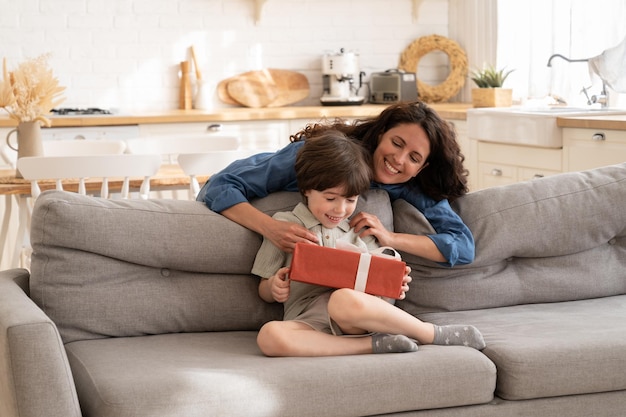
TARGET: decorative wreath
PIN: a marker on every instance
(458, 61)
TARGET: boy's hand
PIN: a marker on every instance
(405, 282)
(279, 283)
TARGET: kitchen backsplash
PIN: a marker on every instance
(125, 54)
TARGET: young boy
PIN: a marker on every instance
(332, 170)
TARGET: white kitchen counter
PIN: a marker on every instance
(454, 111)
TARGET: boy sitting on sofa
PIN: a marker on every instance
(331, 171)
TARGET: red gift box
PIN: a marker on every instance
(338, 268)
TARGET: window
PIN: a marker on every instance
(529, 32)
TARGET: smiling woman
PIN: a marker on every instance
(401, 154)
(415, 157)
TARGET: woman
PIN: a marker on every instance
(415, 157)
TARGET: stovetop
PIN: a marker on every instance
(69, 111)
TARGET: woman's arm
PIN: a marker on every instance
(252, 177)
(422, 246)
(229, 191)
(451, 244)
(283, 235)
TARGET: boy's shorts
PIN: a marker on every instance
(316, 316)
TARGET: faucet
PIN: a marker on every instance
(602, 98)
(567, 59)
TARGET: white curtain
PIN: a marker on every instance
(531, 31)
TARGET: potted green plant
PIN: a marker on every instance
(490, 93)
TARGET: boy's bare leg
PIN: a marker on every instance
(356, 312)
(292, 338)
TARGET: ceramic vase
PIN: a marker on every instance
(28, 141)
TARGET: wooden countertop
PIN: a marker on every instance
(450, 111)
(605, 121)
(455, 111)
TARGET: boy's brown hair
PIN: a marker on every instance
(331, 159)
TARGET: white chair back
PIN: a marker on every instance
(106, 167)
(170, 146)
(62, 147)
(208, 163)
(58, 168)
(53, 147)
(82, 147)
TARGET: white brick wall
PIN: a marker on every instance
(125, 54)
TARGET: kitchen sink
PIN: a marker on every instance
(530, 126)
(568, 110)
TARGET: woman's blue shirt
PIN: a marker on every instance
(265, 173)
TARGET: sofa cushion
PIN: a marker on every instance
(553, 349)
(133, 267)
(225, 374)
(553, 239)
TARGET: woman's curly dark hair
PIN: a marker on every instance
(443, 178)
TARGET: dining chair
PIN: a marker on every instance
(68, 147)
(59, 168)
(83, 147)
(53, 147)
(207, 163)
(100, 168)
(170, 146)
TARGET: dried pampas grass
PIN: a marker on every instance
(29, 92)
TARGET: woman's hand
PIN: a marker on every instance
(367, 224)
(419, 245)
(279, 285)
(285, 235)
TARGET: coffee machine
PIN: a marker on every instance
(342, 79)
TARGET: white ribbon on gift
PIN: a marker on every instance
(362, 272)
(365, 260)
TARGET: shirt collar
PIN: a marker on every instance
(302, 212)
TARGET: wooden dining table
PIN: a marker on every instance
(170, 177)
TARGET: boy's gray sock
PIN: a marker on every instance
(392, 343)
(459, 335)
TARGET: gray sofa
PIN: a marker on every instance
(147, 308)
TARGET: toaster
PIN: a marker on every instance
(392, 86)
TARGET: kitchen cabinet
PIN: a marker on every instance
(501, 164)
(261, 135)
(591, 148)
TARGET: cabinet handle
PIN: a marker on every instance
(496, 172)
(215, 127)
(537, 176)
(598, 137)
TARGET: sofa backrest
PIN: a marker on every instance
(103, 268)
(553, 239)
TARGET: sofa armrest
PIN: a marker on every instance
(35, 377)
